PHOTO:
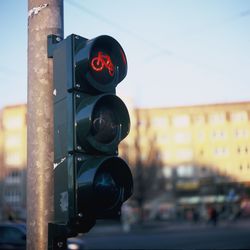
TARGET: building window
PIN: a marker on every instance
(167, 172)
(159, 122)
(13, 141)
(13, 159)
(241, 133)
(182, 137)
(199, 120)
(242, 149)
(240, 116)
(221, 151)
(217, 118)
(185, 171)
(181, 121)
(13, 122)
(14, 178)
(184, 154)
(12, 196)
(238, 150)
(201, 136)
(220, 134)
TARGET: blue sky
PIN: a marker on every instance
(180, 52)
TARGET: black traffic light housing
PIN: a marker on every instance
(90, 180)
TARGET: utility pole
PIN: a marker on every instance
(45, 17)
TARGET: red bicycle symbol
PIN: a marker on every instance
(102, 61)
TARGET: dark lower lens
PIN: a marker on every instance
(107, 191)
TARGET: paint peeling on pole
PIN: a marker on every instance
(36, 10)
(43, 19)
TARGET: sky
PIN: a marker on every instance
(179, 52)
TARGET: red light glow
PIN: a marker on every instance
(101, 62)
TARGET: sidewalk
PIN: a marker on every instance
(165, 226)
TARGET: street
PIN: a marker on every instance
(186, 236)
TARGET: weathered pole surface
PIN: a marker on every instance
(45, 17)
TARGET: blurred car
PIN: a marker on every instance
(13, 236)
(76, 244)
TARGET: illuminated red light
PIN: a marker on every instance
(102, 61)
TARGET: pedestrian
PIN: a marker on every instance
(213, 215)
(126, 217)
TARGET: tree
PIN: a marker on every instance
(149, 181)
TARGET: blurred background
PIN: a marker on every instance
(187, 91)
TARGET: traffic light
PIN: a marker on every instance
(91, 182)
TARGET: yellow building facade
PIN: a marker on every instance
(14, 132)
(214, 137)
(13, 165)
(211, 136)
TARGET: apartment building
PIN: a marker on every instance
(215, 137)
(191, 141)
(14, 161)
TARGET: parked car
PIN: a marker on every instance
(13, 236)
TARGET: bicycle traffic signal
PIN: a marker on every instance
(91, 181)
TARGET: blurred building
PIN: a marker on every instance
(14, 160)
(1, 168)
(198, 146)
(204, 150)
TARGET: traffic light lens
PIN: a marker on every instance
(105, 125)
(101, 123)
(103, 184)
(102, 65)
(103, 62)
(106, 190)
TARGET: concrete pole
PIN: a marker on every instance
(45, 17)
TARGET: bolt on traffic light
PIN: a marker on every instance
(91, 181)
